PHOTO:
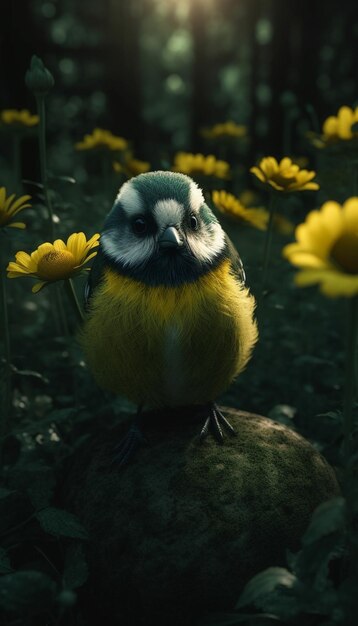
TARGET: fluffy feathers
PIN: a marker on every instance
(125, 336)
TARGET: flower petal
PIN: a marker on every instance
(257, 172)
(307, 260)
(20, 204)
(8, 201)
(38, 286)
(345, 121)
(17, 225)
(76, 244)
(58, 244)
(350, 214)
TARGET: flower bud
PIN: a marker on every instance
(38, 78)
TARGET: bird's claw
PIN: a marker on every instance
(216, 422)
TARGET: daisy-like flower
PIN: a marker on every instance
(326, 249)
(100, 138)
(189, 163)
(284, 175)
(9, 207)
(20, 119)
(225, 129)
(131, 167)
(229, 205)
(55, 261)
(338, 128)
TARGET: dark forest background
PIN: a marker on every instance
(155, 71)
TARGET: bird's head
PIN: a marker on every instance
(160, 230)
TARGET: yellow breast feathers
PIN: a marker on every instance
(169, 346)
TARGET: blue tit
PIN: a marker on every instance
(170, 321)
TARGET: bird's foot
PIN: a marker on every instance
(216, 422)
(128, 446)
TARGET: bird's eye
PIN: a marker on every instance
(193, 222)
(140, 225)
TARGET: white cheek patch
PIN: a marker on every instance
(168, 213)
(127, 249)
(196, 198)
(210, 243)
(130, 199)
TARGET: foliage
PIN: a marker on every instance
(42, 557)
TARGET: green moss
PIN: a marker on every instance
(181, 529)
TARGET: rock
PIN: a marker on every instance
(180, 530)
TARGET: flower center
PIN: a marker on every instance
(284, 179)
(56, 265)
(345, 252)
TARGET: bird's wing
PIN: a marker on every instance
(95, 276)
(235, 260)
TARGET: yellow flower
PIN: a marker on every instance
(284, 176)
(229, 205)
(189, 163)
(131, 167)
(226, 129)
(9, 207)
(54, 261)
(14, 117)
(340, 128)
(102, 139)
(327, 249)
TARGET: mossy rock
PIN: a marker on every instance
(179, 531)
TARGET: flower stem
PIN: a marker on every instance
(71, 292)
(268, 243)
(6, 400)
(350, 377)
(40, 100)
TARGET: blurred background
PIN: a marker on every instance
(156, 71)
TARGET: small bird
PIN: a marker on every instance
(169, 320)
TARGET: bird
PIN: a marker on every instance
(169, 320)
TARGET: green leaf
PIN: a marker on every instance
(30, 373)
(59, 415)
(29, 592)
(332, 415)
(263, 584)
(61, 523)
(65, 179)
(5, 566)
(328, 518)
(75, 570)
(36, 479)
(40, 493)
(32, 182)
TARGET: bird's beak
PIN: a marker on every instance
(170, 238)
